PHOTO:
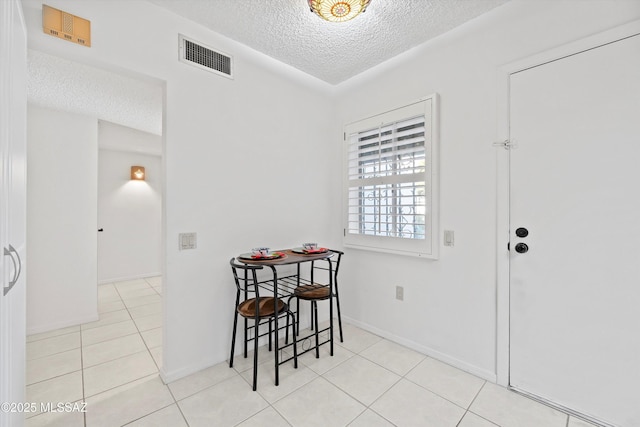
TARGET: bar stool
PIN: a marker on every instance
(314, 292)
(262, 310)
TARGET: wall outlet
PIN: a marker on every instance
(399, 293)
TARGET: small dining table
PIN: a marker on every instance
(284, 286)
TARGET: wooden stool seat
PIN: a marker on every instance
(266, 307)
(312, 292)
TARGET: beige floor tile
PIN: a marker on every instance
(52, 366)
(106, 351)
(106, 307)
(117, 372)
(267, 417)
(362, 379)
(325, 362)
(128, 294)
(395, 357)
(472, 420)
(241, 364)
(53, 345)
(506, 408)
(131, 284)
(370, 419)
(451, 383)
(54, 333)
(65, 388)
(108, 293)
(156, 353)
(120, 373)
(194, 383)
(57, 419)
(408, 404)
(127, 403)
(224, 404)
(108, 332)
(108, 319)
(152, 337)
(145, 310)
(291, 379)
(319, 403)
(359, 339)
(144, 300)
(149, 322)
(166, 417)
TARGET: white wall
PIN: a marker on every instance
(62, 150)
(449, 308)
(236, 152)
(246, 160)
(130, 212)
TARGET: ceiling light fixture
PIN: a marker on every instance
(338, 10)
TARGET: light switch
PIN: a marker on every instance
(187, 241)
(448, 237)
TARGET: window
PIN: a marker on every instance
(391, 185)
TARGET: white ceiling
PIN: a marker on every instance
(62, 84)
(283, 29)
(287, 31)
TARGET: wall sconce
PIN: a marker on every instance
(137, 173)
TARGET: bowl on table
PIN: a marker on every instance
(310, 246)
(260, 251)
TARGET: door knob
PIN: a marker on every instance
(522, 232)
(522, 248)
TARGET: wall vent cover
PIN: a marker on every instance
(66, 26)
(201, 56)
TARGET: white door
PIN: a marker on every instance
(13, 110)
(575, 187)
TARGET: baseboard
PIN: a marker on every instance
(170, 376)
(177, 374)
(122, 279)
(31, 330)
(442, 357)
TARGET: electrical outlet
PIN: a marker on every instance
(399, 293)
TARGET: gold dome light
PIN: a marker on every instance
(338, 10)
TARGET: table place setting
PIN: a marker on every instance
(262, 253)
(310, 248)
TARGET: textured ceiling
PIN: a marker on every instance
(70, 86)
(283, 29)
(287, 31)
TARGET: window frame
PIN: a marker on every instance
(424, 248)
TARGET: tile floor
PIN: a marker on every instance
(112, 365)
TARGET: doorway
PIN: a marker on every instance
(574, 338)
(129, 210)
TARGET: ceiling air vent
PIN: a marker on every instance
(205, 58)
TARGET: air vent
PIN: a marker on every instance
(203, 57)
(66, 26)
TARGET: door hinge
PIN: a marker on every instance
(506, 144)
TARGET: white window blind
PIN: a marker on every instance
(390, 183)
